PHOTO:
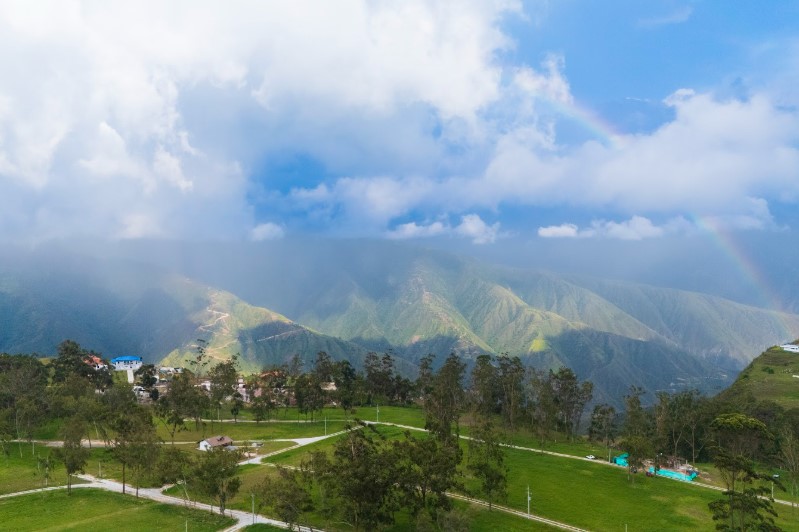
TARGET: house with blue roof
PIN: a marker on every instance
(126, 362)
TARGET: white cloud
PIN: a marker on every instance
(267, 231)
(471, 226)
(414, 230)
(127, 120)
(93, 102)
(636, 228)
(558, 231)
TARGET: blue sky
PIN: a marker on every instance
(471, 121)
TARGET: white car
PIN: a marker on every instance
(590, 457)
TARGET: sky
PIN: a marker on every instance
(476, 122)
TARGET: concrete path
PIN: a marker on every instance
(243, 519)
(300, 442)
(155, 494)
(518, 513)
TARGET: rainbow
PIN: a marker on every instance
(747, 269)
(589, 120)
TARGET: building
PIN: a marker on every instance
(214, 442)
(95, 362)
(791, 348)
(127, 362)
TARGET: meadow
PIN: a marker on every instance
(97, 510)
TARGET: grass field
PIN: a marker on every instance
(247, 431)
(771, 377)
(97, 510)
(20, 473)
(591, 495)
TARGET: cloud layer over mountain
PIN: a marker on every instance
(406, 120)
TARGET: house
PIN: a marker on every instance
(791, 348)
(214, 442)
(95, 362)
(126, 362)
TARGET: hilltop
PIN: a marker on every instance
(772, 376)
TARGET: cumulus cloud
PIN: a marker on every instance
(471, 226)
(151, 119)
(267, 231)
(93, 103)
(414, 230)
(636, 228)
(559, 231)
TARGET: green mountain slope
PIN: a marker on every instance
(772, 376)
(351, 297)
(125, 312)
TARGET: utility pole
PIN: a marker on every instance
(528, 501)
(325, 425)
(378, 413)
(252, 495)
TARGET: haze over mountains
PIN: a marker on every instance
(270, 301)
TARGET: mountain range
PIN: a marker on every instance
(268, 302)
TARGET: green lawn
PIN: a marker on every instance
(97, 510)
(599, 497)
(241, 432)
(20, 473)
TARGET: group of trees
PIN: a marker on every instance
(741, 436)
(368, 478)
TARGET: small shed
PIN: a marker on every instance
(214, 442)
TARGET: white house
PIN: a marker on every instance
(792, 348)
(126, 362)
(214, 442)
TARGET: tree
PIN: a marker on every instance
(636, 419)
(215, 475)
(483, 392)
(236, 404)
(603, 424)
(200, 360)
(308, 394)
(285, 494)
(363, 475)
(136, 444)
(789, 459)
(744, 506)
(323, 367)
(224, 380)
(486, 462)
(148, 378)
(510, 377)
(542, 408)
(345, 378)
(379, 372)
(181, 402)
(72, 454)
(23, 383)
(427, 469)
(445, 402)
(73, 360)
(696, 423)
(570, 396)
